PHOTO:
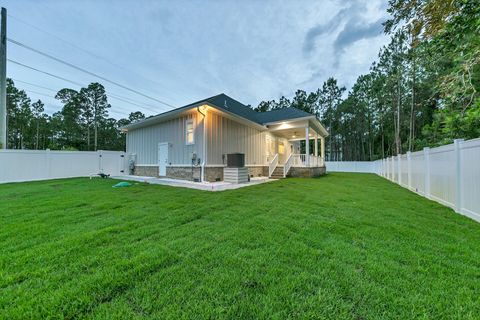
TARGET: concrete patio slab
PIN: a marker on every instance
(207, 186)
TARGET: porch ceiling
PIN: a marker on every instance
(295, 133)
(295, 129)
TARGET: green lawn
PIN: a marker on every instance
(343, 246)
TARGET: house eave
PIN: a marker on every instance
(176, 112)
(158, 118)
(287, 120)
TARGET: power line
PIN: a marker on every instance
(82, 49)
(39, 93)
(86, 71)
(76, 83)
(141, 103)
(35, 85)
(44, 72)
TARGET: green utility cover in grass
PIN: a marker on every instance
(122, 184)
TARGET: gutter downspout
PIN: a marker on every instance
(204, 144)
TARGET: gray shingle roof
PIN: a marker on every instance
(222, 101)
(281, 114)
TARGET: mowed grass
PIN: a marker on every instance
(343, 246)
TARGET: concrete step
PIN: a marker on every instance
(277, 173)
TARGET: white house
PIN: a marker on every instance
(191, 142)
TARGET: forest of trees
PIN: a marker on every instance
(82, 124)
(422, 91)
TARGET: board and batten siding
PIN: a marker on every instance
(224, 136)
(228, 136)
(144, 141)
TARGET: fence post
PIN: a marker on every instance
(385, 168)
(49, 163)
(390, 175)
(426, 152)
(100, 164)
(390, 167)
(399, 165)
(385, 171)
(394, 168)
(409, 169)
(458, 175)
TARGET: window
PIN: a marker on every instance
(189, 132)
(281, 148)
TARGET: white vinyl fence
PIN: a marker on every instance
(29, 165)
(351, 166)
(448, 174)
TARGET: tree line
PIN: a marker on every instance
(82, 124)
(423, 90)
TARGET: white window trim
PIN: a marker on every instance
(186, 133)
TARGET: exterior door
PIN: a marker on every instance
(282, 151)
(162, 158)
(270, 148)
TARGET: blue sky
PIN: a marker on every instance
(183, 51)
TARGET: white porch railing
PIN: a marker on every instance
(300, 160)
(272, 165)
(288, 165)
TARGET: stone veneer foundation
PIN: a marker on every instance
(299, 172)
(185, 173)
(213, 174)
(258, 171)
(146, 171)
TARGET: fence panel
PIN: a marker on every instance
(404, 170)
(350, 166)
(21, 168)
(417, 165)
(29, 165)
(470, 177)
(395, 169)
(442, 174)
(72, 164)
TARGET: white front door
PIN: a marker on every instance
(162, 158)
(270, 148)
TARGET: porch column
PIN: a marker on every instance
(316, 145)
(307, 147)
(322, 147)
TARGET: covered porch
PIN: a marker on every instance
(304, 152)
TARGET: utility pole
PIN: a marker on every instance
(3, 80)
